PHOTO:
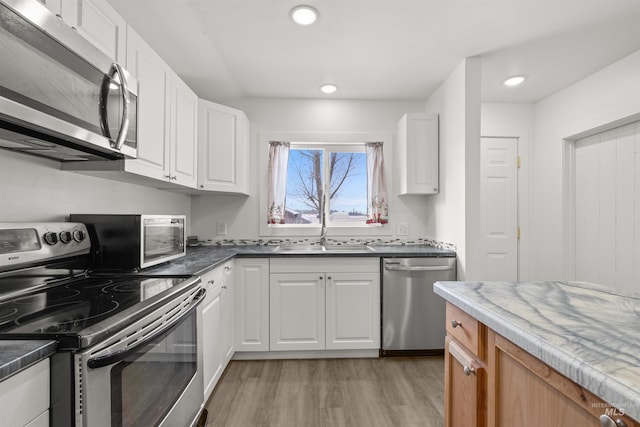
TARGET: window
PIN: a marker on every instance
(337, 171)
(302, 168)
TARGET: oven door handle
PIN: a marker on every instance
(118, 356)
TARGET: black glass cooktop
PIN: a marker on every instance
(67, 309)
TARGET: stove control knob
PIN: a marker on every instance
(50, 238)
(78, 236)
(65, 237)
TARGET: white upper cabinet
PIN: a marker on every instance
(184, 140)
(55, 6)
(97, 22)
(153, 76)
(417, 153)
(167, 119)
(223, 144)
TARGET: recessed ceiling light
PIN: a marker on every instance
(513, 81)
(328, 88)
(304, 15)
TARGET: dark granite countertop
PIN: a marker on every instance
(16, 355)
(200, 259)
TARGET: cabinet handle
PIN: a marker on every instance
(469, 370)
(329, 278)
(227, 268)
(224, 287)
(211, 282)
(607, 421)
(167, 176)
(455, 323)
(320, 278)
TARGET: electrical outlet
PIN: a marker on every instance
(221, 228)
(402, 229)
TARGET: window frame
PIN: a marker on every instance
(331, 141)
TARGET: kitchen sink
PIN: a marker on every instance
(323, 248)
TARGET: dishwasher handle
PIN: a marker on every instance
(394, 267)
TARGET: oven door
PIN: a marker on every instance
(151, 377)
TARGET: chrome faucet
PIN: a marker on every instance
(323, 221)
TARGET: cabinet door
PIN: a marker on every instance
(211, 333)
(99, 23)
(252, 304)
(297, 320)
(153, 105)
(184, 122)
(524, 391)
(463, 387)
(353, 311)
(25, 395)
(55, 6)
(417, 151)
(222, 144)
(228, 314)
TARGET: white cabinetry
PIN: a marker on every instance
(325, 303)
(24, 397)
(167, 119)
(417, 153)
(252, 304)
(228, 312)
(297, 306)
(183, 144)
(217, 324)
(55, 6)
(211, 332)
(154, 88)
(167, 123)
(223, 140)
(353, 310)
(97, 22)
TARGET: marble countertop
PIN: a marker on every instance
(200, 259)
(15, 355)
(587, 332)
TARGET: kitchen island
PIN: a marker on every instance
(585, 332)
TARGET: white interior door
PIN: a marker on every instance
(499, 208)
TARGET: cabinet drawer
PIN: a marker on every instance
(468, 331)
(213, 278)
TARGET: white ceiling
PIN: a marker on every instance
(383, 49)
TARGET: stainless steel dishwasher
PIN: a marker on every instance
(413, 316)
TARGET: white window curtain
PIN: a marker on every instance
(378, 210)
(278, 162)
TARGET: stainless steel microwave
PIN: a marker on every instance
(61, 97)
(133, 242)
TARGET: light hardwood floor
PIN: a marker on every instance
(330, 392)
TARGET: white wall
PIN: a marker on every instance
(516, 120)
(241, 214)
(34, 189)
(453, 214)
(606, 97)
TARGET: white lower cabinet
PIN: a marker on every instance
(217, 322)
(24, 397)
(297, 311)
(324, 304)
(353, 311)
(251, 277)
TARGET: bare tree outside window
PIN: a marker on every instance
(347, 174)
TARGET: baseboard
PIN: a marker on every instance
(308, 354)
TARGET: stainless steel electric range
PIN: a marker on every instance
(129, 346)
